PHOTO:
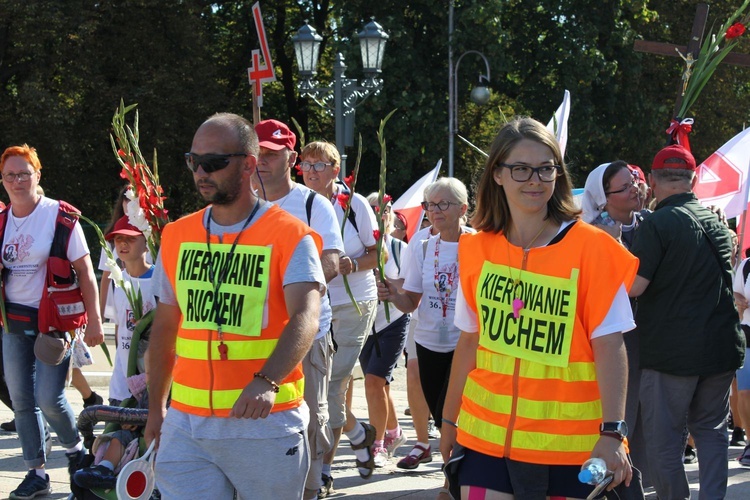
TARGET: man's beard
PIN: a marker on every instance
(223, 195)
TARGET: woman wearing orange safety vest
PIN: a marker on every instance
(539, 373)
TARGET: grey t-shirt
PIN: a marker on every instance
(304, 267)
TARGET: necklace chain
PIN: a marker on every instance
(518, 304)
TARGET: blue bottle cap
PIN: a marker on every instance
(585, 476)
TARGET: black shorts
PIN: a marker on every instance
(528, 480)
(382, 350)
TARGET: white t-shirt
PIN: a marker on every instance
(122, 315)
(619, 318)
(391, 272)
(26, 246)
(434, 274)
(322, 221)
(362, 283)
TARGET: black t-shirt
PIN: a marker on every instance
(687, 321)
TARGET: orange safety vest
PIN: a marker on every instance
(253, 309)
(533, 396)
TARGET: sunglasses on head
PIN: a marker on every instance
(209, 162)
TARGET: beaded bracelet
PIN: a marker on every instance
(274, 385)
(446, 421)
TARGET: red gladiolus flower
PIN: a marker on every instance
(121, 153)
(735, 30)
(376, 234)
(348, 181)
(387, 198)
(343, 200)
(376, 209)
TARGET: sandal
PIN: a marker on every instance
(369, 440)
(411, 461)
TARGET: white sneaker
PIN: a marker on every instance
(432, 431)
(380, 456)
(392, 444)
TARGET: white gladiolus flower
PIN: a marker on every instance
(135, 213)
(115, 273)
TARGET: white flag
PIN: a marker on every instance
(558, 125)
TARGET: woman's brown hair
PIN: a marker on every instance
(492, 212)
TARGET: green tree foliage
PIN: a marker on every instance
(65, 65)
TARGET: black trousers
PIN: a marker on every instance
(434, 372)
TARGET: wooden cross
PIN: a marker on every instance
(690, 51)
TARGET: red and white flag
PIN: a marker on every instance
(722, 177)
(723, 182)
(410, 203)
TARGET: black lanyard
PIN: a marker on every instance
(223, 274)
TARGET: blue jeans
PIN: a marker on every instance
(33, 383)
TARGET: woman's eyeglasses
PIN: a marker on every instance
(209, 162)
(319, 166)
(10, 178)
(522, 173)
(630, 186)
(441, 205)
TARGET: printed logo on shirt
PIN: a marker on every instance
(17, 249)
(543, 330)
(239, 304)
(130, 322)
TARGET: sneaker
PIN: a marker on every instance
(97, 476)
(432, 431)
(9, 426)
(392, 444)
(690, 456)
(407, 412)
(366, 468)
(380, 456)
(412, 461)
(744, 459)
(95, 402)
(31, 486)
(738, 437)
(327, 488)
(74, 460)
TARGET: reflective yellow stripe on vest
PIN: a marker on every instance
(224, 400)
(527, 440)
(527, 408)
(498, 363)
(236, 350)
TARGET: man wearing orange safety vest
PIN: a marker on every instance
(239, 286)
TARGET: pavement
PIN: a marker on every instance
(388, 483)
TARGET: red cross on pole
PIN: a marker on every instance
(257, 73)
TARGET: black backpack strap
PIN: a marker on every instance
(309, 204)
(352, 217)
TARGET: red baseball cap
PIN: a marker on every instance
(638, 174)
(124, 227)
(275, 135)
(674, 156)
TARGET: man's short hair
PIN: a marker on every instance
(244, 129)
(673, 175)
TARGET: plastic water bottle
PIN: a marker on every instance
(593, 471)
(606, 220)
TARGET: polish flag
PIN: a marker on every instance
(723, 181)
(558, 125)
(410, 203)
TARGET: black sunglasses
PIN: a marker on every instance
(209, 162)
